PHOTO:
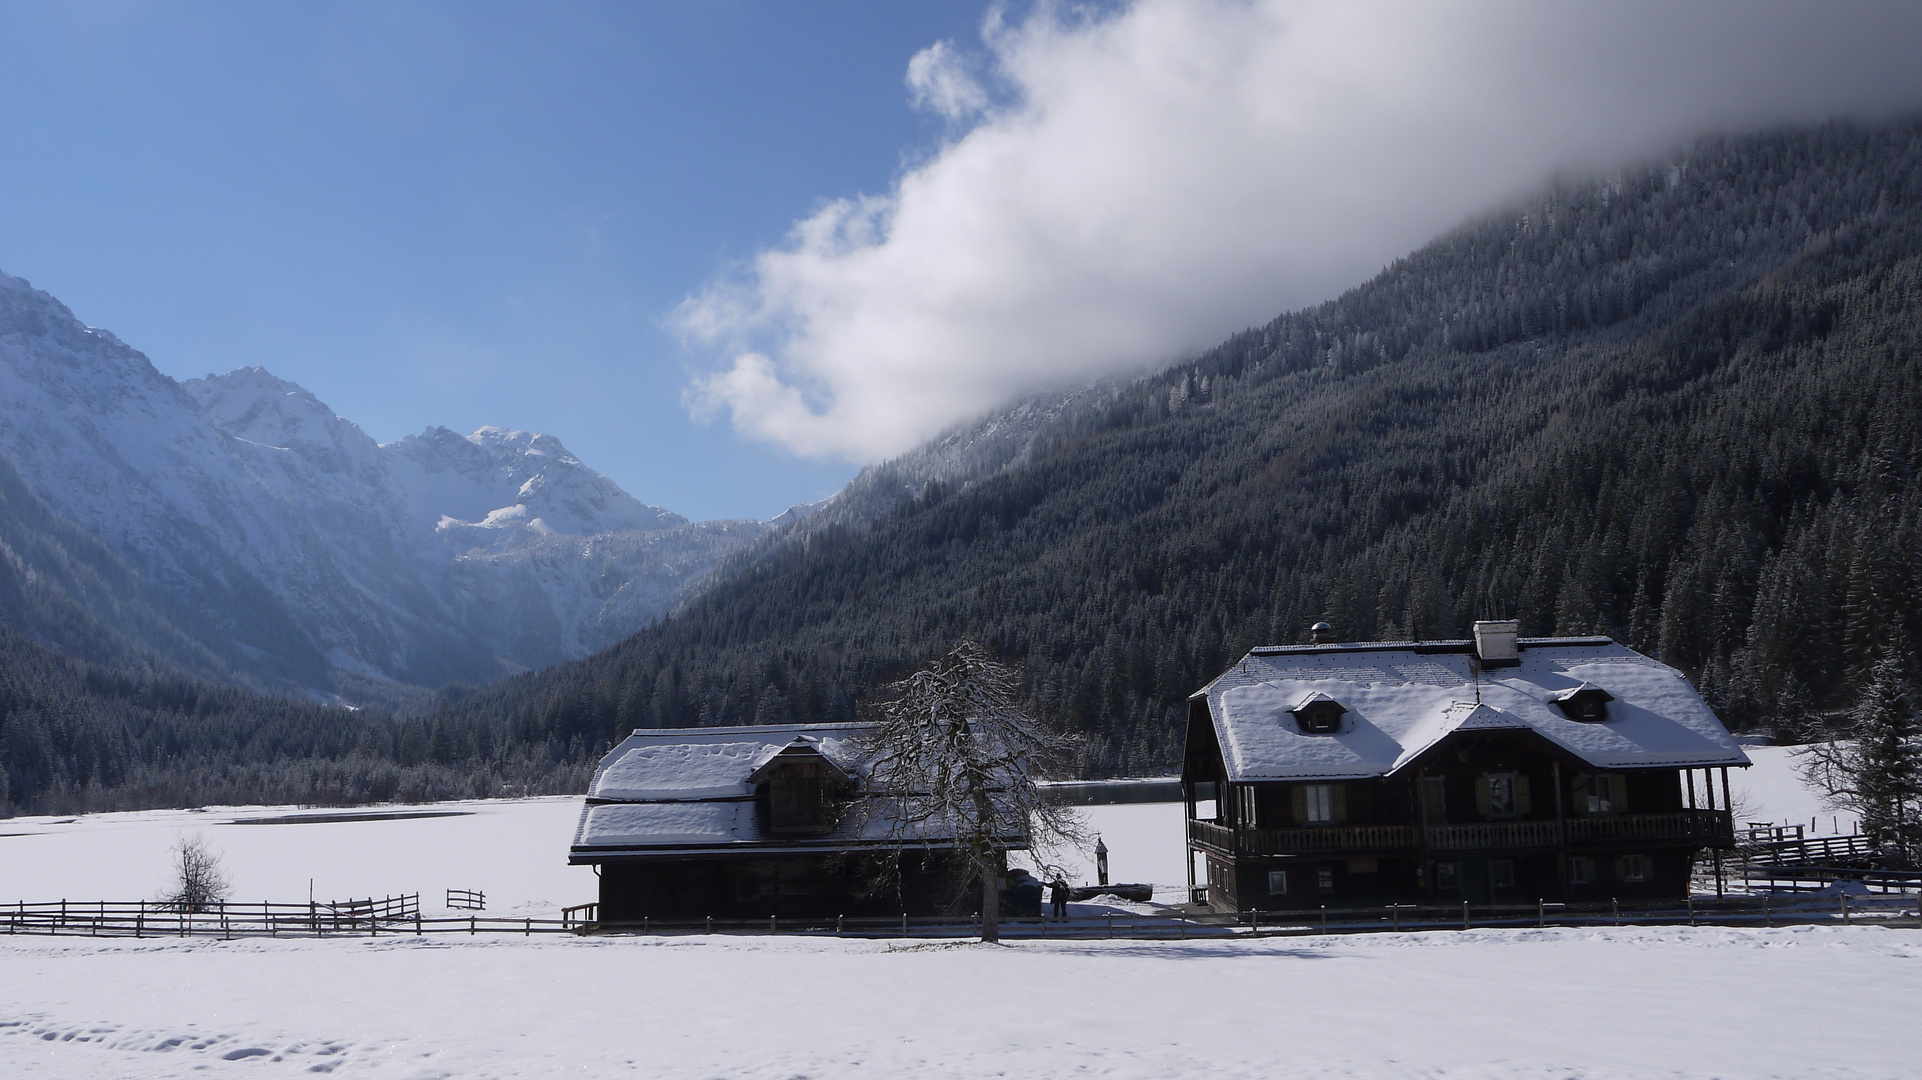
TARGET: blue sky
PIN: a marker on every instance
(729, 251)
(451, 214)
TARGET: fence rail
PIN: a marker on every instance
(104, 919)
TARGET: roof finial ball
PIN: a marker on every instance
(1322, 633)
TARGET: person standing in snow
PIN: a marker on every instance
(1058, 896)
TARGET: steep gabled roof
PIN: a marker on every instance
(674, 764)
(1402, 698)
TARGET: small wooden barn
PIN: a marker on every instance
(1496, 770)
(748, 822)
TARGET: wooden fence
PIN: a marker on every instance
(401, 916)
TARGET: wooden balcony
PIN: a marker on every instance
(1333, 840)
(1707, 828)
(1494, 836)
(1702, 828)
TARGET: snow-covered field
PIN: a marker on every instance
(1632, 1002)
(1829, 1002)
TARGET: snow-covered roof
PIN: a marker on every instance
(1402, 698)
(709, 763)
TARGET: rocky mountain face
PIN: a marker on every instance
(235, 527)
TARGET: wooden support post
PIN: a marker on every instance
(1689, 775)
(838, 920)
(1464, 914)
(1324, 918)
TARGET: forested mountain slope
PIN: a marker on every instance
(79, 737)
(1679, 407)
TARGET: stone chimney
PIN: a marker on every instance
(1496, 644)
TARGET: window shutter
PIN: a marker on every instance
(1481, 795)
(1340, 807)
(1523, 805)
(1618, 792)
(1300, 796)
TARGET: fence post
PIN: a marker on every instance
(1110, 924)
(838, 919)
(771, 931)
(528, 931)
(904, 924)
(1615, 905)
(1541, 913)
(471, 920)
(644, 920)
(1767, 918)
(1464, 914)
(1324, 918)
(710, 925)
(1184, 925)
(1255, 923)
(1845, 907)
(1691, 909)
(416, 922)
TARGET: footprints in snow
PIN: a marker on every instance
(226, 1047)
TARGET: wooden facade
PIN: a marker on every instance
(1485, 810)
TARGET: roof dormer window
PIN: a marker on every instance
(1318, 714)
(1585, 703)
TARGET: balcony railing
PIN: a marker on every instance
(1506, 835)
(1707, 828)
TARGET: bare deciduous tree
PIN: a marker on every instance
(1878, 773)
(198, 882)
(955, 753)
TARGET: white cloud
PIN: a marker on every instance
(939, 82)
(1181, 169)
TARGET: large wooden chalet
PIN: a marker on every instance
(748, 822)
(1502, 769)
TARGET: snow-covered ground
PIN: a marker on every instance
(1535, 1004)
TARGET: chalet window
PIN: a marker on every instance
(1318, 804)
(1502, 795)
(1434, 800)
(1587, 704)
(1581, 870)
(1319, 715)
(1501, 873)
(1325, 878)
(1448, 875)
(1245, 806)
(1277, 883)
(1603, 793)
(1632, 868)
